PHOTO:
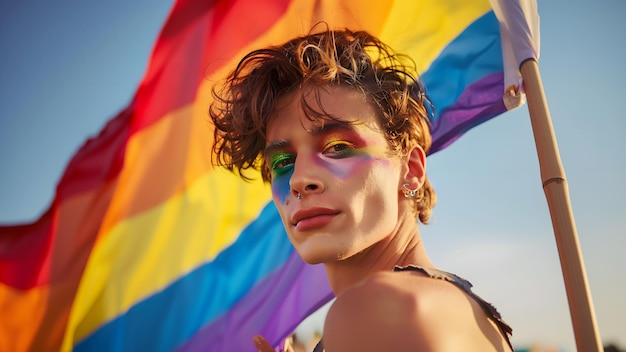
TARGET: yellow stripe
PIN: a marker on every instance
(422, 29)
(144, 254)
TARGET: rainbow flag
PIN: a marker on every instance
(147, 246)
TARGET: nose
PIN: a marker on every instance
(307, 177)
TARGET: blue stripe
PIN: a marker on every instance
(170, 317)
(474, 54)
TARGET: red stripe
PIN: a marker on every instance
(25, 253)
(179, 63)
(100, 159)
(56, 247)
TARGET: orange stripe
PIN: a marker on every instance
(22, 313)
(161, 161)
(366, 15)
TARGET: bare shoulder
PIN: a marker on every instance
(408, 311)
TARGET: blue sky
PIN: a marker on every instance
(68, 67)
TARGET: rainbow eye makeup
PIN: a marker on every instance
(339, 149)
(281, 163)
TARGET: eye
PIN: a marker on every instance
(338, 148)
(281, 163)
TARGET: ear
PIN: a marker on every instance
(414, 171)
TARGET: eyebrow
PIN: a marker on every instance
(275, 146)
(326, 128)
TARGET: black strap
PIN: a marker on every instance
(491, 311)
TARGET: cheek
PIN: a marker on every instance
(350, 167)
(280, 187)
(359, 166)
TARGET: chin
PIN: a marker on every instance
(320, 247)
(313, 254)
(312, 257)
(312, 261)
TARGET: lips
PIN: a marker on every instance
(312, 218)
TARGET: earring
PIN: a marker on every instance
(299, 196)
(408, 193)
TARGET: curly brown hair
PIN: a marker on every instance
(244, 103)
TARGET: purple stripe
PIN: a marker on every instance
(480, 101)
(273, 308)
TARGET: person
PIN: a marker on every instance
(338, 124)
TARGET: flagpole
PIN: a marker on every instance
(557, 195)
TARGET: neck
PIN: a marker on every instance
(401, 248)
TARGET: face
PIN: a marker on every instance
(342, 168)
